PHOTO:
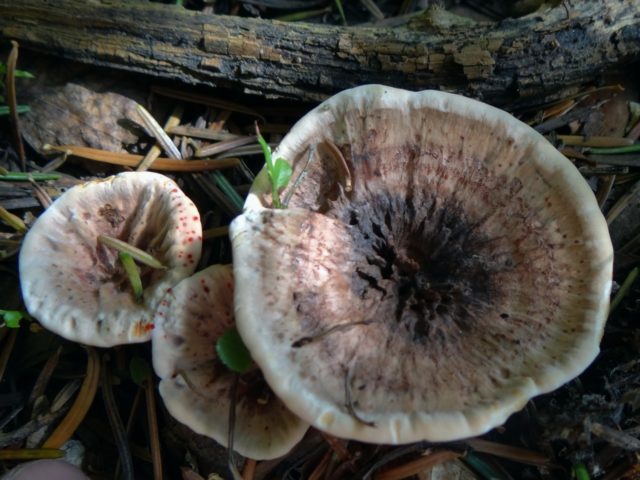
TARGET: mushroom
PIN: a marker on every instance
(195, 385)
(46, 469)
(75, 285)
(465, 270)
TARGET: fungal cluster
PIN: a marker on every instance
(438, 263)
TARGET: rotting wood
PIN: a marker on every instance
(531, 57)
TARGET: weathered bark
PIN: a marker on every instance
(520, 58)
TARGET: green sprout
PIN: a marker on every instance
(11, 318)
(580, 471)
(133, 274)
(232, 351)
(279, 171)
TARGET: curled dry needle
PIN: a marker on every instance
(83, 401)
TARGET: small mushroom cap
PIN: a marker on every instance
(467, 269)
(196, 387)
(76, 286)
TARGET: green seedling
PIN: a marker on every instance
(232, 351)
(11, 318)
(279, 171)
(133, 274)
(580, 471)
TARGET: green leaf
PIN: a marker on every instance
(233, 352)
(266, 151)
(281, 173)
(140, 370)
(12, 318)
(23, 74)
(581, 471)
(133, 274)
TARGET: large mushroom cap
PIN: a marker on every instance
(466, 270)
(196, 387)
(76, 286)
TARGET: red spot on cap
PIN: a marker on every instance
(175, 190)
(206, 289)
(190, 239)
(195, 218)
(149, 326)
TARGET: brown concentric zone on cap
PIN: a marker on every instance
(457, 271)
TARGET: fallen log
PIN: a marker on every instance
(535, 56)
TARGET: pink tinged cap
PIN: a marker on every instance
(449, 267)
(196, 386)
(75, 285)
